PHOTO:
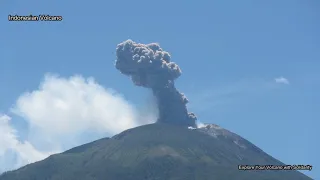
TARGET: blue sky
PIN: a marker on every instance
(230, 52)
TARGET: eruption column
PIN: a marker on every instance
(149, 66)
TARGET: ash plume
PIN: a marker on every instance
(149, 66)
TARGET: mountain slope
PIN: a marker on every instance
(158, 151)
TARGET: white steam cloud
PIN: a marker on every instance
(60, 115)
(14, 153)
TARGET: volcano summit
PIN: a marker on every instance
(167, 150)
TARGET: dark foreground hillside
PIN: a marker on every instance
(158, 152)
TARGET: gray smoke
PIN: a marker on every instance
(149, 66)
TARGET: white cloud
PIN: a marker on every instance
(282, 80)
(11, 148)
(60, 114)
(75, 104)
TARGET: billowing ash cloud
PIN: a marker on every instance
(151, 67)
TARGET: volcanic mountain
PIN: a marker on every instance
(159, 152)
(173, 148)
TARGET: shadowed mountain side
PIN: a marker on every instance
(158, 151)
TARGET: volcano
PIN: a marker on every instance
(159, 151)
(173, 148)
